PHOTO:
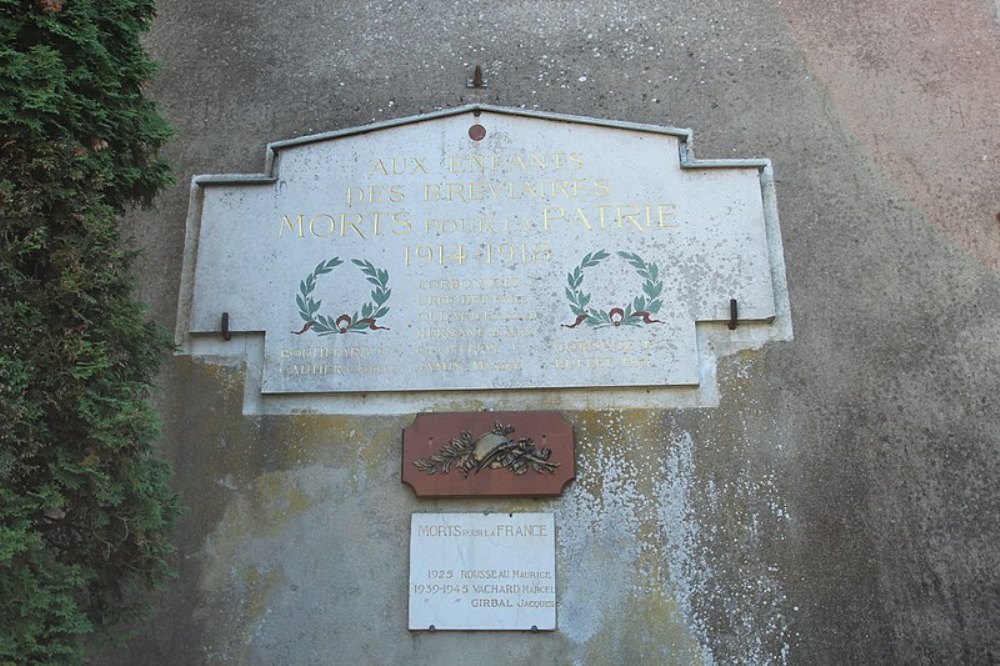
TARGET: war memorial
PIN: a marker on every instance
(578, 333)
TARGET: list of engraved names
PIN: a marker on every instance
(475, 571)
(478, 241)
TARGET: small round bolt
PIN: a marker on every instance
(477, 132)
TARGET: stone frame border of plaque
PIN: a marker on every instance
(715, 339)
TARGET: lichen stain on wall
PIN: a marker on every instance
(363, 445)
(235, 583)
(296, 551)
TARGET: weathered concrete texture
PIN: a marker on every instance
(838, 506)
(297, 545)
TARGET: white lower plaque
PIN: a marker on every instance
(473, 571)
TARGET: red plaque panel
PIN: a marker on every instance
(488, 454)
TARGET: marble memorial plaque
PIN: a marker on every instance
(540, 251)
(474, 571)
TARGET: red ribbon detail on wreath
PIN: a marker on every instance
(645, 317)
(343, 322)
(579, 320)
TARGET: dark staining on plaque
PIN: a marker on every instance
(493, 450)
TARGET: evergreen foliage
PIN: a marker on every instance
(85, 507)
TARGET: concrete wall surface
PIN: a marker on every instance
(838, 506)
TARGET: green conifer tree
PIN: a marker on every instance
(85, 508)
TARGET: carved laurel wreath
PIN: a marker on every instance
(637, 312)
(363, 320)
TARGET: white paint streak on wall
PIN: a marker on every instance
(598, 535)
(612, 562)
(689, 568)
(759, 601)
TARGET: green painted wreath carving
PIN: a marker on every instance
(363, 320)
(637, 312)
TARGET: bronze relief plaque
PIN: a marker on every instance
(488, 454)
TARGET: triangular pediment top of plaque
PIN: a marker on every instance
(685, 135)
(483, 256)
